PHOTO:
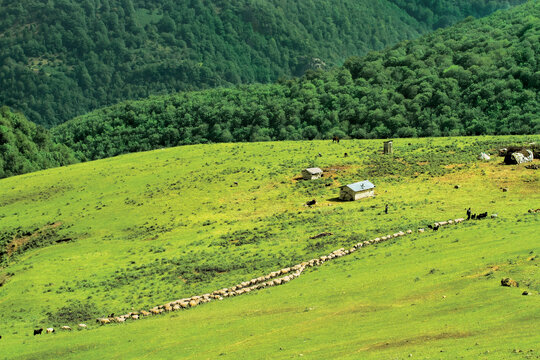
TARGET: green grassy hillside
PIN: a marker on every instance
(139, 230)
(61, 59)
(478, 77)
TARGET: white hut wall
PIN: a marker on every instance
(364, 194)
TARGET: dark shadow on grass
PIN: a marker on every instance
(337, 199)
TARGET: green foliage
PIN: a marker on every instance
(60, 59)
(478, 77)
(73, 312)
(15, 242)
(27, 147)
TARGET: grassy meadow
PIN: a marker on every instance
(138, 230)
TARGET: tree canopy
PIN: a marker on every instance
(477, 77)
(27, 147)
(63, 58)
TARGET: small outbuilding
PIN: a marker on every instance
(357, 191)
(312, 173)
(388, 147)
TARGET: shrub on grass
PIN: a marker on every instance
(74, 311)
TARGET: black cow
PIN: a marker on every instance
(335, 139)
(38, 331)
(311, 202)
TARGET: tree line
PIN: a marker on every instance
(27, 147)
(63, 58)
(478, 77)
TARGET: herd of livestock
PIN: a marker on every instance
(274, 278)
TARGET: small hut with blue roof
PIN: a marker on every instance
(357, 191)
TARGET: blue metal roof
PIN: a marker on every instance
(361, 186)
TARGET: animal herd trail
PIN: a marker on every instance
(274, 278)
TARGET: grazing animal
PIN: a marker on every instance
(311, 202)
(50, 330)
(335, 139)
(482, 215)
(83, 326)
(38, 331)
(66, 328)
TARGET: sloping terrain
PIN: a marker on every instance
(478, 77)
(61, 59)
(152, 227)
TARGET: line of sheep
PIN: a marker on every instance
(275, 278)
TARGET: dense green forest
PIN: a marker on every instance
(478, 77)
(27, 147)
(63, 58)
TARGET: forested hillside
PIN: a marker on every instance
(63, 58)
(27, 147)
(478, 77)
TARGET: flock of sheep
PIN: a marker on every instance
(275, 278)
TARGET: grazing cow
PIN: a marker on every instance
(50, 330)
(335, 139)
(311, 202)
(38, 331)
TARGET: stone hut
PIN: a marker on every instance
(311, 173)
(388, 147)
(357, 191)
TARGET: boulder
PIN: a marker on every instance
(484, 156)
(509, 282)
